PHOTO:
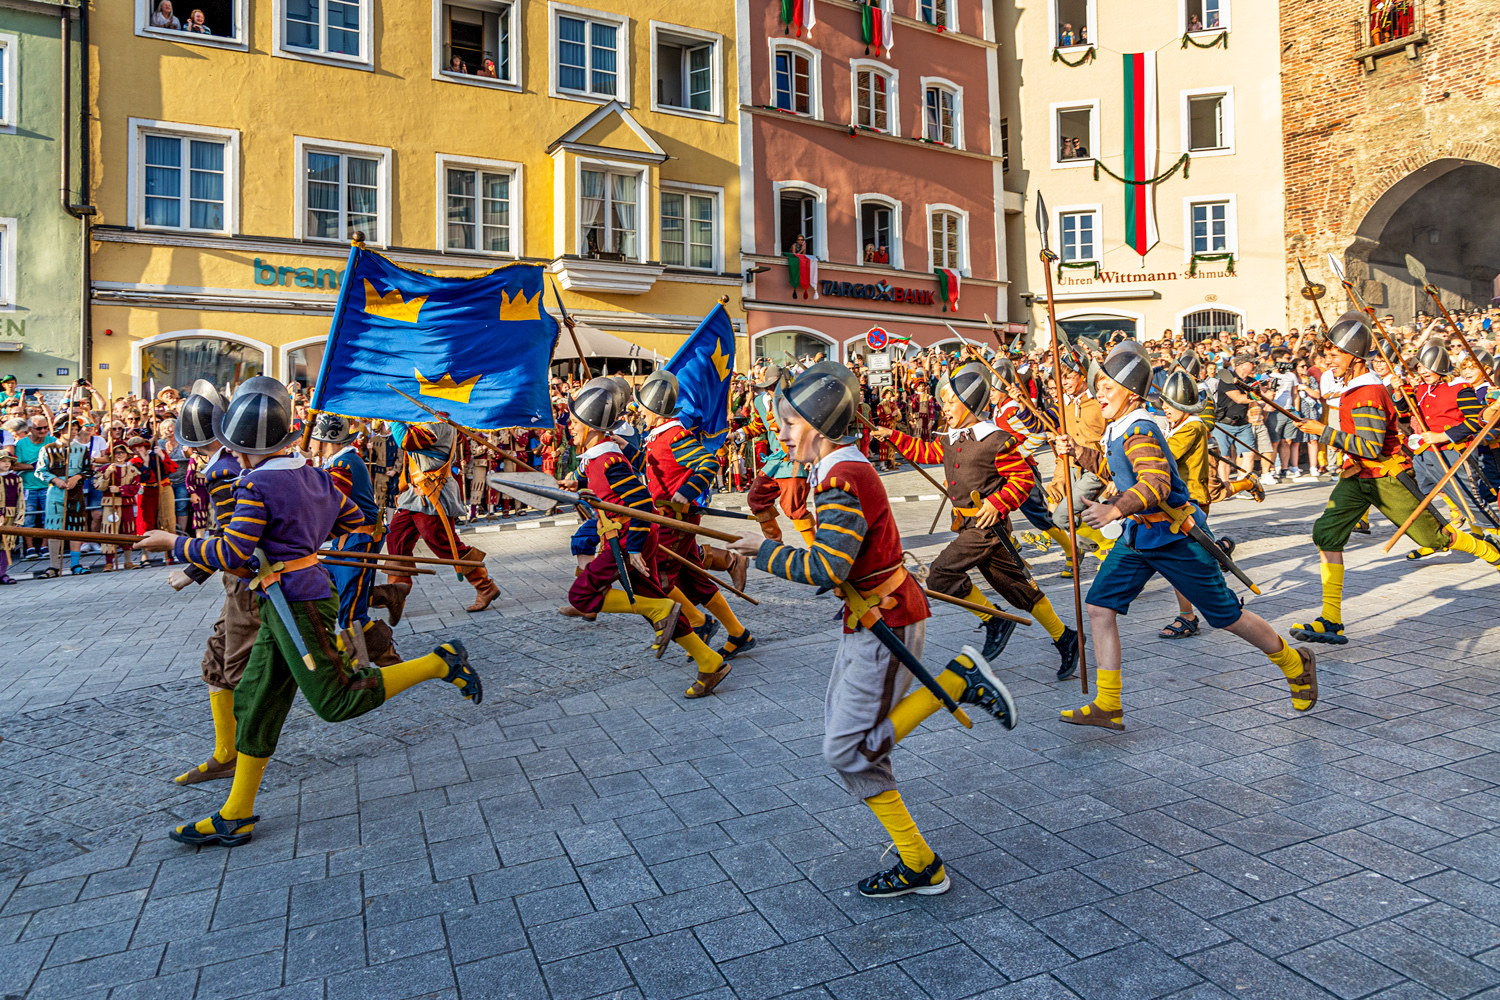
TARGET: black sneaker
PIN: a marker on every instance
(997, 632)
(901, 880)
(1068, 647)
(708, 629)
(982, 688)
(460, 674)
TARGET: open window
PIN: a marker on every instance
(1205, 15)
(686, 70)
(1073, 23)
(1208, 122)
(475, 40)
(1075, 134)
(938, 13)
(798, 222)
(879, 232)
(214, 21)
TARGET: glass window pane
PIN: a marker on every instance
(572, 59)
(343, 27)
(622, 203)
(460, 210)
(495, 189)
(361, 194)
(700, 78)
(602, 52)
(672, 239)
(701, 233)
(302, 24)
(784, 81)
(323, 196)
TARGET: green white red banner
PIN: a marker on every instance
(948, 282)
(876, 26)
(1140, 151)
(802, 273)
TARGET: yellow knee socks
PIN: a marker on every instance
(718, 606)
(690, 613)
(1465, 542)
(1060, 536)
(1042, 611)
(241, 801)
(400, 676)
(975, 597)
(920, 703)
(804, 526)
(654, 608)
(1333, 591)
(1287, 660)
(221, 705)
(706, 659)
(894, 816)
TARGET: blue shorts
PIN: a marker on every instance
(1227, 438)
(1183, 563)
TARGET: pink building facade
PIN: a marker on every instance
(884, 164)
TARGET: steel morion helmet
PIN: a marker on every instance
(769, 378)
(1128, 365)
(1191, 363)
(333, 429)
(970, 383)
(258, 420)
(658, 394)
(826, 395)
(1180, 392)
(1434, 357)
(1350, 333)
(1486, 360)
(195, 421)
(597, 405)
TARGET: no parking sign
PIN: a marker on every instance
(877, 338)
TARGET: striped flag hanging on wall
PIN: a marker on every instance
(948, 282)
(1140, 150)
(876, 26)
(802, 272)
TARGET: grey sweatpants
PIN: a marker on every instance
(1086, 485)
(867, 680)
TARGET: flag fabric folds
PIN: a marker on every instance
(802, 272)
(1140, 151)
(948, 286)
(703, 365)
(476, 347)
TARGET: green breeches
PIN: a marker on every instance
(335, 690)
(1352, 497)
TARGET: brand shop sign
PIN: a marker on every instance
(882, 292)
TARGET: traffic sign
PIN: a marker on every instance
(877, 338)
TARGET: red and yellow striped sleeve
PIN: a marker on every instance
(917, 450)
(1017, 479)
(1153, 473)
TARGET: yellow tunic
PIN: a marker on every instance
(1189, 444)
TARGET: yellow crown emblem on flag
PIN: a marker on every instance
(445, 387)
(391, 305)
(518, 308)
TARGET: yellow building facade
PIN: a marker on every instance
(239, 145)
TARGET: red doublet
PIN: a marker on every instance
(1371, 397)
(881, 553)
(1439, 405)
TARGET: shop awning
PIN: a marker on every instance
(598, 344)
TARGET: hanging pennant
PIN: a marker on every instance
(802, 273)
(948, 282)
(876, 25)
(1140, 151)
(797, 14)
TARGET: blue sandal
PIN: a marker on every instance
(460, 674)
(226, 832)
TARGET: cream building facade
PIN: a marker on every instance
(1217, 264)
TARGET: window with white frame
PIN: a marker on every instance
(947, 240)
(1072, 23)
(1205, 15)
(873, 99)
(478, 202)
(184, 176)
(877, 227)
(325, 27)
(1211, 227)
(793, 80)
(689, 229)
(1074, 132)
(941, 108)
(344, 192)
(191, 20)
(475, 40)
(608, 213)
(1005, 145)
(10, 73)
(935, 12)
(589, 51)
(798, 212)
(1079, 235)
(7, 262)
(1209, 121)
(687, 71)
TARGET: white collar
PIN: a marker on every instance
(339, 454)
(281, 463)
(1368, 378)
(214, 458)
(1120, 425)
(663, 427)
(980, 430)
(602, 448)
(848, 453)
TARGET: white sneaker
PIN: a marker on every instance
(1268, 479)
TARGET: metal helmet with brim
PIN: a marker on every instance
(259, 419)
(1351, 334)
(658, 394)
(1180, 392)
(970, 383)
(826, 395)
(597, 405)
(1435, 358)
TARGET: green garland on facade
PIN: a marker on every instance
(1207, 258)
(1220, 41)
(1182, 161)
(1077, 265)
(1088, 56)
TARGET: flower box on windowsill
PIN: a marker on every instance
(610, 272)
(608, 255)
(1409, 43)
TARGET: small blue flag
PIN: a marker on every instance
(477, 348)
(702, 366)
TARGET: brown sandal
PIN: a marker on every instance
(212, 771)
(706, 682)
(1304, 686)
(666, 629)
(1089, 715)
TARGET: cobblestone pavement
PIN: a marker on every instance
(588, 833)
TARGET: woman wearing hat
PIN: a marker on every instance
(1151, 493)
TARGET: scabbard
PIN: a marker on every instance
(284, 612)
(882, 631)
(1200, 536)
(1409, 481)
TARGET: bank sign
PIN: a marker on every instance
(882, 292)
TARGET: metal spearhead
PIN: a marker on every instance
(1416, 269)
(1041, 220)
(568, 320)
(1310, 290)
(1338, 268)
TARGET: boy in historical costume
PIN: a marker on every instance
(679, 475)
(858, 547)
(428, 510)
(608, 474)
(1188, 443)
(332, 445)
(284, 510)
(980, 459)
(887, 415)
(155, 470)
(1376, 473)
(66, 465)
(1451, 411)
(476, 475)
(118, 483)
(12, 509)
(779, 478)
(1155, 501)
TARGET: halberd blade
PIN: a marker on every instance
(1416, 269)
(1041, 219)
(1338, 268)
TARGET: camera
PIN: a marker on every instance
(1286, 367)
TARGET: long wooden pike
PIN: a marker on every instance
(925, 474)
(569, 497)
(571, 323)
(1418, 270)
(398, 557)
(1062, 418)
(977, 608)
(1432, 495)
(662, 550)
(398, 570)
(1040, 417)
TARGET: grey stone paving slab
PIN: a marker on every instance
(586, 833)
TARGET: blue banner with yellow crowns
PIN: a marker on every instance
(703, 365)
(476, 348)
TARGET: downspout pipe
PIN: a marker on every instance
(82, 212)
